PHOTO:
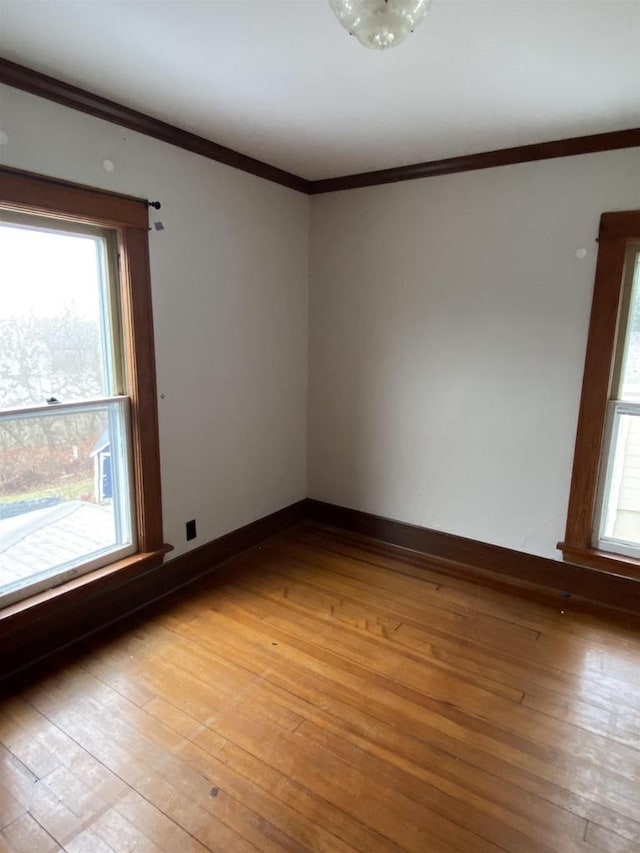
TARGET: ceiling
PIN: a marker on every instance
(283, 82)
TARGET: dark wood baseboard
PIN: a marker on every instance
(49, 630)
(539, 578)
(42, 634)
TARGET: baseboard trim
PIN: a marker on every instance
(539, 578)
(43, 636)
(536, 578)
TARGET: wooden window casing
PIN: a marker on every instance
(128, 217)
(617, 232)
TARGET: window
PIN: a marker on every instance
(603, 524)
(79, 462)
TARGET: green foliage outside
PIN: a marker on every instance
(69, 491)
(43, 357)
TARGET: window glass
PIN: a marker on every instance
(630, 378)
(618, 528)
(54, 338)
(66, 501)
(621, 506)
(64, 491)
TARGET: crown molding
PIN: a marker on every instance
(485, 160)
(21, 77)
(52, 89)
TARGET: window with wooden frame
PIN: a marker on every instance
(80, 498)
(603, 522)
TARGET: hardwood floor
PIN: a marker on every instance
(322, 693)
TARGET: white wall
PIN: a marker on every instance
(448, 323)
(229, 276)
(447, 331)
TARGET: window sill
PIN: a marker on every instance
(75, 592)
(604, 561)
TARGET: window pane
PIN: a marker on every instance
(64, 492)
(621, 510)
(53, 319)
(630, 380)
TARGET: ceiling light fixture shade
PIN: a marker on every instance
(380, 24)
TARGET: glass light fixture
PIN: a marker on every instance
(380, 24)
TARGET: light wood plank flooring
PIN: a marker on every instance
(322, 693)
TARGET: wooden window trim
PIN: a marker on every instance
(617, 231)
(35, 193)
(129, 217)
(78, 591)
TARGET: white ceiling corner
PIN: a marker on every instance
(281, 81)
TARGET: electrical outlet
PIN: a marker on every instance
(191, 529)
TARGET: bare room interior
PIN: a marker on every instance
(320, 426)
